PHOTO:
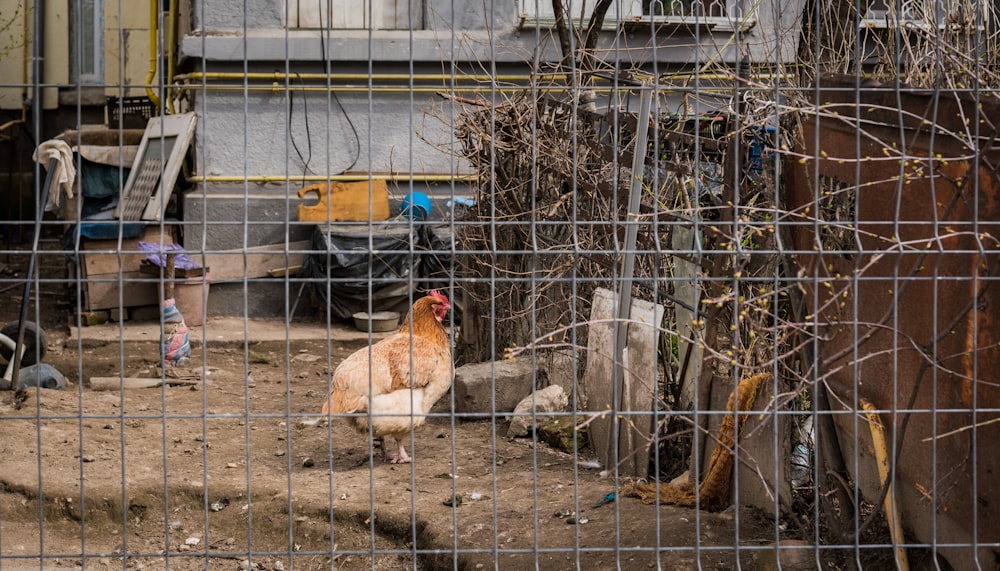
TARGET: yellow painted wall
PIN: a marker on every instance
(122, 67)
(56, 49)
(130, 66)
(12, 44)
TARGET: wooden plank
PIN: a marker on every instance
(116, 383)
(687, 290)
(102, 257)
(282, 272)
(599, 383)
(346, 202)
(260, 260)
(639, 388)
(174, 134)
(758, 457)
(103, 294)
(598, 379)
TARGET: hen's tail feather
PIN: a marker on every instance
(340, 403)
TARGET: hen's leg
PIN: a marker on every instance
(401, 457)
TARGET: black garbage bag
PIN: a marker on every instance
(347, 268)
(437, 242)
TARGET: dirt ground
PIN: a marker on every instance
(240, 471)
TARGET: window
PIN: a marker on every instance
(87, 51)
(711, 14)
(684, 8)
(540, 13)
(956, 17)
(357, 14)
(889, 13)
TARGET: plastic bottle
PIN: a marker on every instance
(41, 375)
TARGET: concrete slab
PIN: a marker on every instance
(486, 389)
(234, 330)
(687, 290)
(629, 404)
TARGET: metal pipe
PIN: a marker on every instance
(12, 123)
(154, 7)
(38, 72)
(171, 56)
(281, 81)
(364, 89)
(18, 353)
(445, 78)
(628, 263)
(24, 69)
(444, 178)
(428, 89)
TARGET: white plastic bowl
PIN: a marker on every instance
(378, 322)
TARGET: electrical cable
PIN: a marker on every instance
(291, 132)
(326, 68)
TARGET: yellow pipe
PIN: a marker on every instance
(281, 76)
(284, 82)
(24, 67)
(171, 56)
(444, 78)
(892, 515)
(10, 124)
(195, 179)
(352, 89)
(426, 89)
(154, 7)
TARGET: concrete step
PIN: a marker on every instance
(220, 217)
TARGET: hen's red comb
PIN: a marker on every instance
(435, 293)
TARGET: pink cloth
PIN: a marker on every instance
(174, 339)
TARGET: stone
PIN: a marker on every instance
(548, 400)
(478, 384)
(98, 317)
(559, 434)
(787, 554)
(561, 368)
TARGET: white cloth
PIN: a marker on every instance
(65, 173)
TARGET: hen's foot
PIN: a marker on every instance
(401, 458)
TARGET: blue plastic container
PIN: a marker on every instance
(416, 205)
(41, 375)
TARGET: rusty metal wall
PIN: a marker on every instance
(712, 303)
(905, 308)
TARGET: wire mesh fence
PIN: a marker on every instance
(465, 285)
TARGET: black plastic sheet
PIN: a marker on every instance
(357, 268)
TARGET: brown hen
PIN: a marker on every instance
(397, 380)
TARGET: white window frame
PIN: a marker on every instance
(172, 134)
(883, 14)
(629, 13)
(356, 14)
(95, 66)
(539, 13)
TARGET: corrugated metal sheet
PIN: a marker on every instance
(896, 225)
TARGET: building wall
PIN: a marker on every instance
(409, 131)
(271, 133)
(271, 14)
(16, 48)
(126, 56)
(126, 49)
